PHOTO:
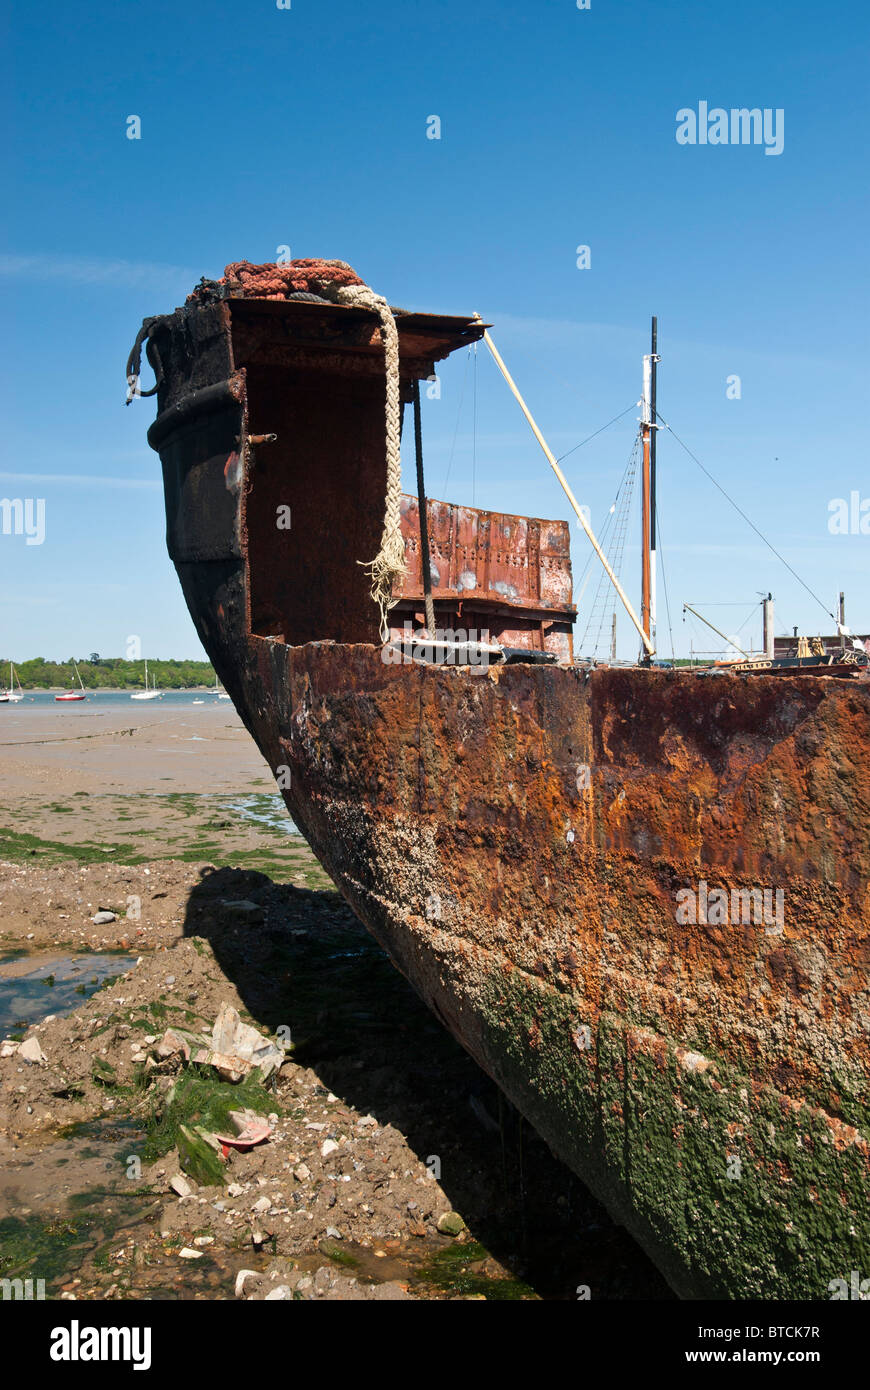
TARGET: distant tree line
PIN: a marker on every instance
(110, 672)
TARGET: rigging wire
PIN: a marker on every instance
(748, 521)
(602, 539)
(634, 405)
(458, 419)
(661, 564)
(613, 509)
(605, 600)
(474, 429)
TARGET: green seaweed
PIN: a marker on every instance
(449, 1272)
(200, 1101)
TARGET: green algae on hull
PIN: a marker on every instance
(695, 1159)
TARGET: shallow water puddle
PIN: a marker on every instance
(266, 809)
(34, 986)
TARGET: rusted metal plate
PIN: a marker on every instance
(266, 330)
(508, 574)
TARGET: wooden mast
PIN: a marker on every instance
(648, 504)
(646, 494)
(653, 435)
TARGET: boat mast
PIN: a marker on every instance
(652, 477)
(648, 507)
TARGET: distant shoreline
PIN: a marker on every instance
(115, 689)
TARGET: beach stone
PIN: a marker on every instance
(242, 1278)
(283, 1291)
(328, 1147)
(450, 1224)
(389, 1292)
(100, 919)
(180, 1185)
(243, 910)
(170, 1043)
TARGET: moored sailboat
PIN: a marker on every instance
(150, 692)
(73, 694)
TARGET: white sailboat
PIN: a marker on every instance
(221, 694)
(146, 694)
(74, 694)
(14, 695)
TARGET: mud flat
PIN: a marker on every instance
(393, 1169)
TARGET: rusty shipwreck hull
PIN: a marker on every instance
(708, 1082)
(516, 837)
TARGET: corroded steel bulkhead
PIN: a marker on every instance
(639, 899)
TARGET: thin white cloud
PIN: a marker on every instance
(86, 270)
(533, 332)
(82, 480)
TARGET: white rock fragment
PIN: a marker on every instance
(242, 1278)
(30, 1051)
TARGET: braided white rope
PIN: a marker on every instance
(389, 564)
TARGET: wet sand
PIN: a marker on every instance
(127, 784)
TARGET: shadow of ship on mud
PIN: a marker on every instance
(310, 965)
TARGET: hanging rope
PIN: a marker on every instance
(388, 566)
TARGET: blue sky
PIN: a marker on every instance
(307, 127)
